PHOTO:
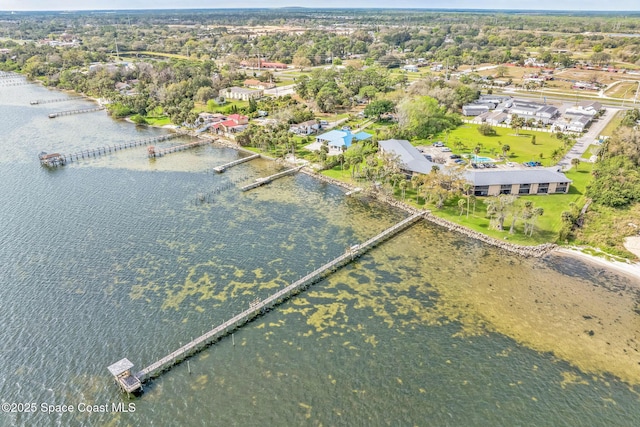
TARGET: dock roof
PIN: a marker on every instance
(120, 367)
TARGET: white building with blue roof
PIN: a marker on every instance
(336, 139)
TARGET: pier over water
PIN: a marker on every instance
(259, 307)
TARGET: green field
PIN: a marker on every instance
(463, 139)
(547, 226)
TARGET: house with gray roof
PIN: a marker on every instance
(410, 159)
(474, 109)
(518, 181)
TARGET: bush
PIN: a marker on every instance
(138, 119)
(486, 130)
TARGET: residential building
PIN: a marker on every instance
(233, 124)
(518, 181)
(585, 108)
(205, 117)
(305, 128)
(534, 110)
(257, 84)
(336, 139)
(474, 109)
(410, 159)
(241, 93)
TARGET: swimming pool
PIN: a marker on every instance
(480, 159)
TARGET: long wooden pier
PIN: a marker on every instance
(257, 307)
(70, 112)
(226, 166)
(262, 181)
(57, 159)
(50, 101)
(159, 152)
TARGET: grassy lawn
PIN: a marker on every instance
(156, 117)
(522, 150)
(606, 228)
(592, 150)
(547, 226)
(342, 175)
(158, 120)
(613, 124)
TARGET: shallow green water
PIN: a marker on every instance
(117, 257)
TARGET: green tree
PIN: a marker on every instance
(378, 108)
(517, 123)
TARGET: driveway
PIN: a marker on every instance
(588, 138)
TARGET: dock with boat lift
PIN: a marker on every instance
(256, 308)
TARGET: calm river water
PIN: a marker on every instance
(117, 257)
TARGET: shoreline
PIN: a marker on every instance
(629, 269)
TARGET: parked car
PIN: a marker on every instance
(446, 149)
(454, 156)
(460, 162)
(428, 157)
(438, 144)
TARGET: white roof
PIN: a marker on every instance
(120, 367)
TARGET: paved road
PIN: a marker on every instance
(588, 138)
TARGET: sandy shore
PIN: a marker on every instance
(629, 269)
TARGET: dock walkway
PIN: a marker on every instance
(226, 166)
(70, 112)
(159, 152)
(258, 307)
(268, 179)
(57, 159)
(50, 101)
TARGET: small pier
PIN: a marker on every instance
(159, 152)
(50, 101)
(52, 160)
(226, 166)
(268, 179)
(258, 307)
(56, 159)
(70, 112)
(6, 83)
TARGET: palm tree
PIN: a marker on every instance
(575, 162)
(505, 149)
(403, 187)
(461, 206)
(466, 188)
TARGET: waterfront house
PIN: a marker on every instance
(233, 124)
(336, 139)
(410, 159)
